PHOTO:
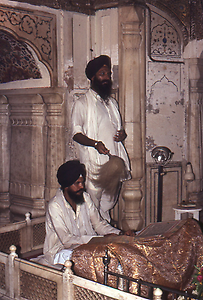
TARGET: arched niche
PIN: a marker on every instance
(20, 66)
(38, 30)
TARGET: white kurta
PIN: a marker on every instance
(66, 229)
(99, 121)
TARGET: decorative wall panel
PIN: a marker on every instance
(183, 10)
(165, 112)
(16, 61)
(165, 40)
(38, 29)
(165, 109)
(165, 94)
(187, 13)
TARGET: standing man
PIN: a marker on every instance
(97, 128)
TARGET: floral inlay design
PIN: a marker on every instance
(165, 41)
(16, 61)
(38, 28)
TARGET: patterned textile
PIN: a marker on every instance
(167, 259)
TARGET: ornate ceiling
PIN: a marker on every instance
(189, 13)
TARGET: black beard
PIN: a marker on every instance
(103, 88)
(77, 198)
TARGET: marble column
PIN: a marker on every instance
(27, 153)
(37, 148)
(194, 128)
(132, 103)
(5, 160)
(55, 118)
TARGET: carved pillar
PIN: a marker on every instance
(132, 101)
(55, 117)
(194, 127)
(5, 160)
(27, 168)
(34, 149)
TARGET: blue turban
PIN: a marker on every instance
(69, 172)
(95, 64)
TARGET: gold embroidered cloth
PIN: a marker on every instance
(167, 259)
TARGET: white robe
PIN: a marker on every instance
(66, 229)
(99, 121)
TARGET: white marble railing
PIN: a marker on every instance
(21, 279)
(27, 235)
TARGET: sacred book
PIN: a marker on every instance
(154, 229)
(161, 228)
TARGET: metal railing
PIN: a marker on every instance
(123, 282)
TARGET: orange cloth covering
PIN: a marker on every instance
(167, 259)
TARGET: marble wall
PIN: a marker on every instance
(33, 148)
(33, 110)
(157, 78)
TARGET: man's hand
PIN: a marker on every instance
(86, 141)
(100, 147)
(120, 136)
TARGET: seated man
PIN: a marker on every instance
(72, 218)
